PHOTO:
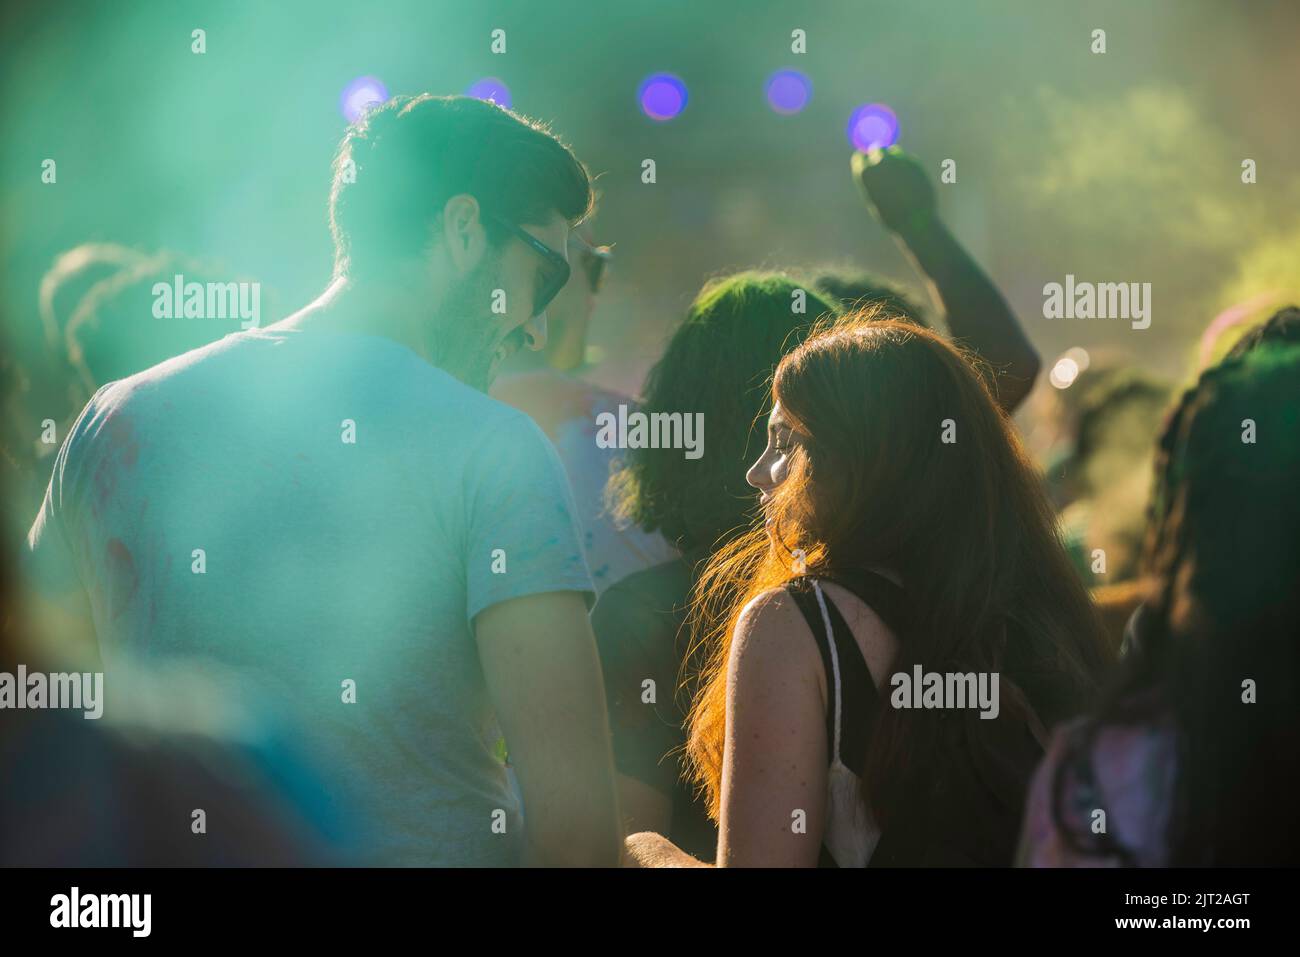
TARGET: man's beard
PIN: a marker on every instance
(462, 336)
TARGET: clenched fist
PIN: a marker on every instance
(896, 188)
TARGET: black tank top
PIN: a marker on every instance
(964, 805)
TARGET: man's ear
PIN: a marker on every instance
(463, 233)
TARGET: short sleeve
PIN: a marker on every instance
(522, 532)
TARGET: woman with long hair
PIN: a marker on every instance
(718, 364)
(905, 536)
(1193, 757)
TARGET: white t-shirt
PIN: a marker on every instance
(313, 509)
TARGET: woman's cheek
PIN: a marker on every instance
(780, 469)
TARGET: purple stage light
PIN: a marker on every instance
(662, 96)
(788, 91)
(360, 95)
(873, 126)
(491, 89)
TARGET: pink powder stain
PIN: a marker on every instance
(105, 482)
(121, 437)
(123, 578)
(123, 450)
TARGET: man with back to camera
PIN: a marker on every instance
(333, 507)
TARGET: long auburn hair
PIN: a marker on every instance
(965, 524)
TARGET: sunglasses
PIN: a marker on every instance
(555, 270)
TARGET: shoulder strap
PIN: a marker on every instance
(853, 699)
(820, 626)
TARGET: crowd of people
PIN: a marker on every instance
(371, 563)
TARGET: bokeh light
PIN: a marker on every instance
(491, 89)
(360, 95)
(662, 96)
(1064, 373)
(788, 91)
(1079, 356)
(873, 126)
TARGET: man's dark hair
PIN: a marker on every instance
(397, 167)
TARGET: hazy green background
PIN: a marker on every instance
(1115, 167)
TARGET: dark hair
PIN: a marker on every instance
(855, 292)
(397, 167)
(719, 362)
(1281, 327)
(966, 525)
(1223, 560)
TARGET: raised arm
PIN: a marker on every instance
(902, 197)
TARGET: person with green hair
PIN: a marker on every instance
(719, 363)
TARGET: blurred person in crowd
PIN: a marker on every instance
(1193, 757)
(332, 507)
(1097, 454)
(1121, 602)
(121, 789)
(904, 531)
(1280, 329)
(1106, 479)
(548, 385)
(150, 308)
(719, 362)
(108, 311)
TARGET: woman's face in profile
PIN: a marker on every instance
(773, 465)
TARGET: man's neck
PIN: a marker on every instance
(346, 306)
